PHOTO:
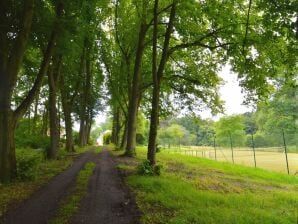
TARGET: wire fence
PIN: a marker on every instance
(275, 158)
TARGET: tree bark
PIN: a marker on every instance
(156, 89)
(66, 107)
(83, 135)
(116, 126)
(8, 169)
(157, 75)
(124, 136)
(135, 94)
(53, 80)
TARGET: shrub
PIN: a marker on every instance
(107, 138)
(32, 141)
(28, 161)
(147, 170)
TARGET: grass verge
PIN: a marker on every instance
(196, 190)
(69, 207)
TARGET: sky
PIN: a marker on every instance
(230, 92)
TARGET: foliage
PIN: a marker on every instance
(28, 138)
(146, 169)
(107, 138)
(230, 130)
(28, 163)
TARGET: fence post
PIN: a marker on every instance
(253, 148)
(214, 145)
(232, 147)
(286, 153)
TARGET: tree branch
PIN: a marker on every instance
(246, 29)
(19, 47)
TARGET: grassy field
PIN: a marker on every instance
(197, 190)
(271, 160)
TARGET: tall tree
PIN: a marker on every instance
(11, 60)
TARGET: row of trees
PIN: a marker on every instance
(266, 126)
(49, 73)
(160, 54)
(153, 54)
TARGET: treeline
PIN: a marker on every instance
(50, 76)
(161, 57)
(55, 57)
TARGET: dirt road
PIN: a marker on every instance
(108, 200)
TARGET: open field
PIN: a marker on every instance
(198, 190)
(267, 158)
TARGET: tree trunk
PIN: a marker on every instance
(135, 94)
(157, 78)
(53, 79)
(124, 137)
(83, 136)
(116, 126)
(156, 89)
(54, 129)
(66, 107)
(8, 169)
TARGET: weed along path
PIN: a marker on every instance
(104, 198)
(108, 199)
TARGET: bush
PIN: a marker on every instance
(107, 138)
(28, 161)
(147, 170)
(32, 141)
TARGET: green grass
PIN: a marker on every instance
(196, 190)
(13, 193)
(71, 204)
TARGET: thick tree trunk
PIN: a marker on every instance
(135, 95)
(53, 79)
(8, 169)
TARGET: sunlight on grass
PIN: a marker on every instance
(196, 190)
